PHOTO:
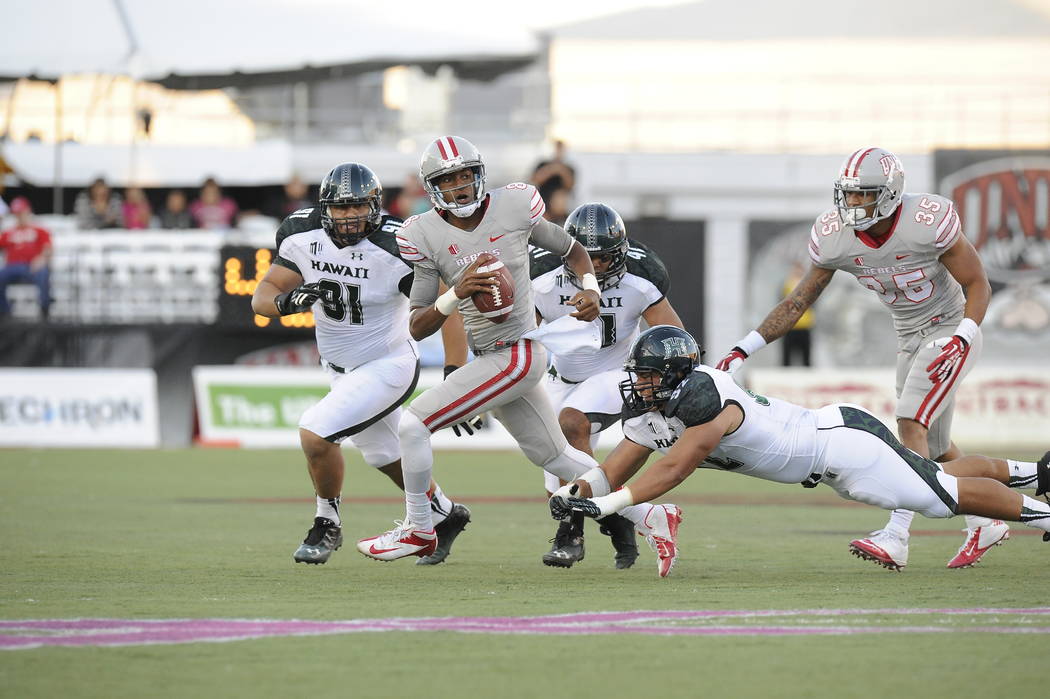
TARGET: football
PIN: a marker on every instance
(498, 305)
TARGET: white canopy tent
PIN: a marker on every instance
(201, 44)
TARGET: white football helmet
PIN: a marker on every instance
(451, 154)
(869, 171)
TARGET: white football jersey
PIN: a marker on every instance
(777, 441)
(513, 216)
(363, 312)
(905, 270)
(621, 311)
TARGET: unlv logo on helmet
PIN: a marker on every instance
(887, 164)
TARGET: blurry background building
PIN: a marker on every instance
(714, 127)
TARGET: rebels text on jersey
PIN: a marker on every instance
(362, 314)
(777, 441)
(905, 270)
(644, 284)
(513, 217)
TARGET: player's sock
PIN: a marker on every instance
(1035, 513)
(419, 512)
(570, 464)
(975, 521)
(328, 508)
(900, 522)
(1022, 473)
(417, 458)
(637, 514)
(440, 504)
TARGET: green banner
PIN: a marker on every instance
(261, 407)
(264, 407)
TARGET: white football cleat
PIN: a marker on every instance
(885, 547)
(978, 541)
(661, 532)
(403, 540)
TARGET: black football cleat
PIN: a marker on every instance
(447, 531)
(567, 544)
(621, 531)
(323, 538)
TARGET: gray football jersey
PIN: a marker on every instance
(905, 271)
(513, 218)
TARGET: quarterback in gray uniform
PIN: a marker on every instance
(909, 249)
(583, 384)
(340, 259)
(467, 228)
(698, 417)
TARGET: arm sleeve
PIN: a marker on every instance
(286, 256)
(948, 228)
(814, 248)
(425, 283)
(551, 236)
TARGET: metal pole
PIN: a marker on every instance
(56, 184)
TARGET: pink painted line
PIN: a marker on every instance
(34, 633)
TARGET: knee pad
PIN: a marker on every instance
(411, 430)
(570, 464)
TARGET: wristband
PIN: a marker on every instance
(967, 330)
(447, 303)
(752, 343)
(598, 481)
(614, 502)
(589, 281)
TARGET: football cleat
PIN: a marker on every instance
(661, 533)
(621, 531)
(1042, 477)
(567, 545)
(323, 538)
(403, 540)
(978, 541)
(887, 548)
(447, 531)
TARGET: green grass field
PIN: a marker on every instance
(208, 534)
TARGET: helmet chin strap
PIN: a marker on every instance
(464, 211)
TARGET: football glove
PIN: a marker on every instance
(588, 507)
(299, 299)
(470, 425)
(559, 507)
(953, 351)
(732, 361)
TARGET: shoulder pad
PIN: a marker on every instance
(643, 262)
(522, 194)
(299, 221)
(542, 261)
(386, 237)
(695, 401)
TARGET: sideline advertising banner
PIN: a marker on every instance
(260, 407)
(997, 411)
(78, 408)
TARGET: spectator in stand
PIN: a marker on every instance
(798, 340)
(98, 207)
(559, 206)
(212, 210)
(27, 251)
(296, 195)
(411, 200)
(175, 213)
(551, 175)
(138, 213)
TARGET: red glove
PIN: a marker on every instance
(953, 352)
(732, 361)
